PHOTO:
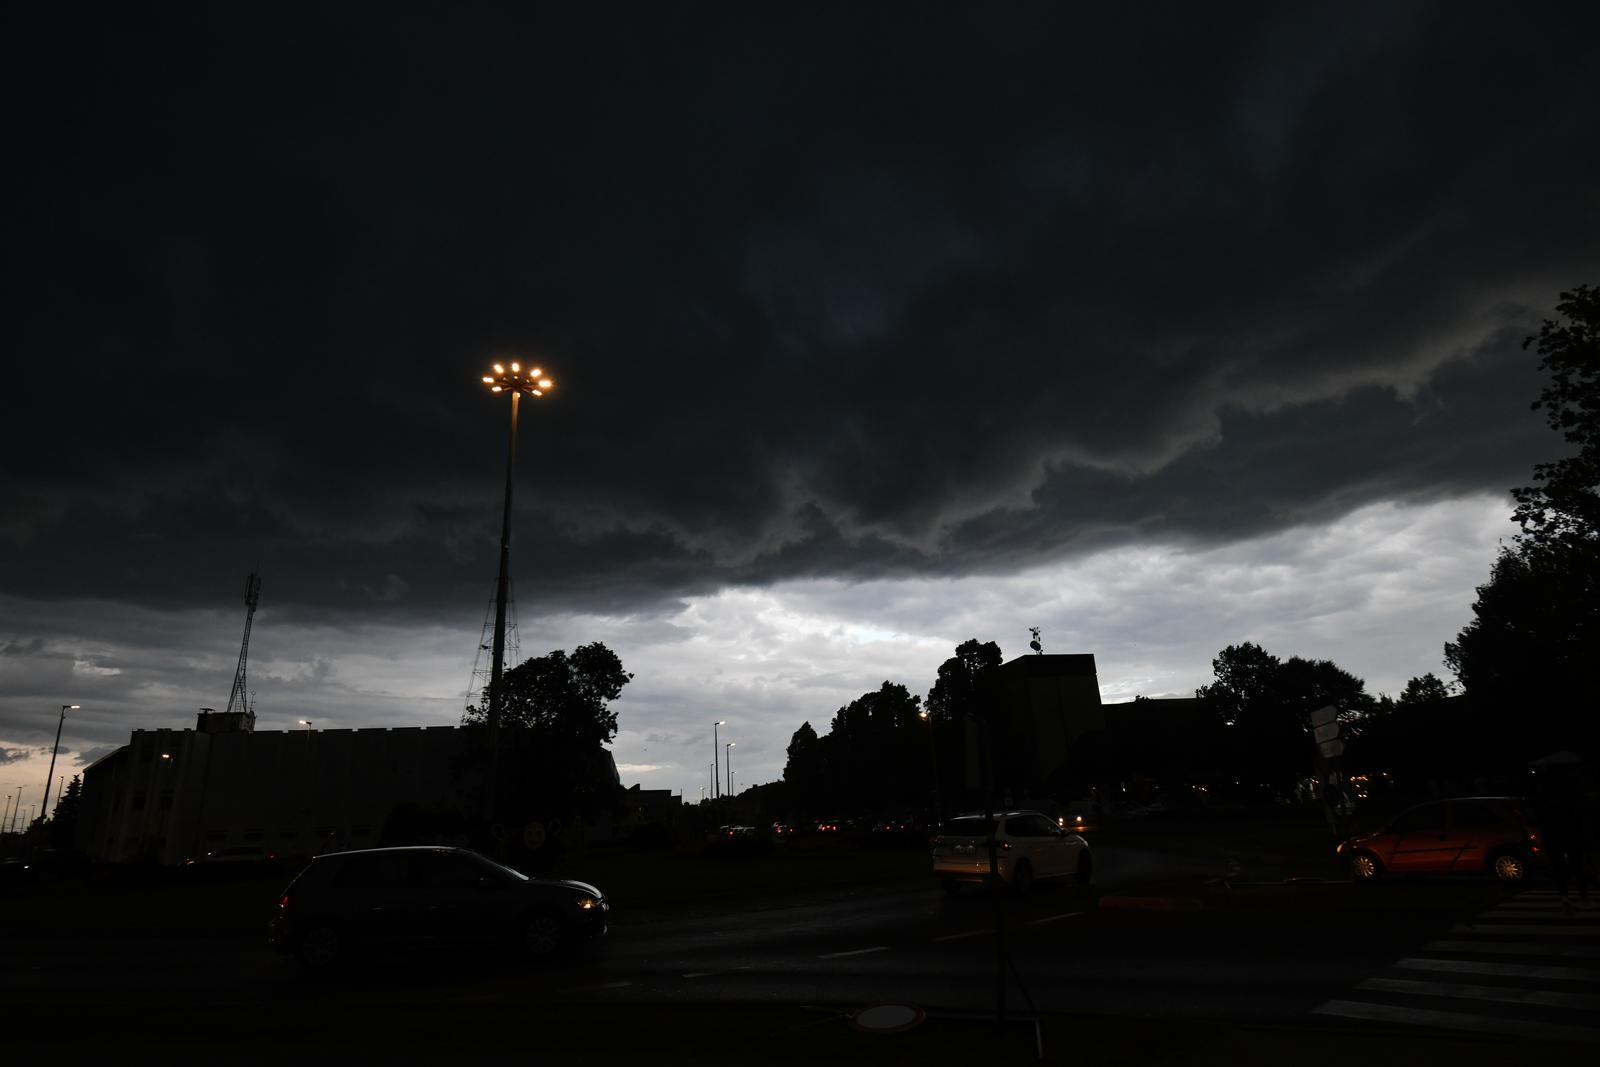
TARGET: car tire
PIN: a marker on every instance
(1085, 873)
(1022, 878)
(542, 935)
(322, 949)
(950, 886)
(1365, 868)
(1509, 868)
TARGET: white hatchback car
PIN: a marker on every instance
(1028, 847)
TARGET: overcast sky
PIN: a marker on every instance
(875, 328)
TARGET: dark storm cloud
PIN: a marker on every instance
(857, 290)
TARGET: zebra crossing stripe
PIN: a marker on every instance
(1514, 948)
(1504, 994)
(1502, 970)
(1527, 928)
(1456, 1020)
(1549, 913)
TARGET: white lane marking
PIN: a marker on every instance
(1504, 994)
(854, 952)
(1456, 1020)
(1525, 928)
(1547, 913)
(1503, 970)
(1513, 948)
(969, 933)
(1053, 918)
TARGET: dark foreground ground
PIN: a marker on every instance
(1238, 948)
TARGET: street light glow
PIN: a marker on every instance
(518, 380)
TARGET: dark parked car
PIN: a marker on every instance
(1465, 835)
(425, 895)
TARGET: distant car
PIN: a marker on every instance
(1030, 847)
(1463, 835)
(417, 896)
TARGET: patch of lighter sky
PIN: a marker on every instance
(1378, 592)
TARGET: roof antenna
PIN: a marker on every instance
(1034, 644)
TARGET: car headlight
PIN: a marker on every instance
(587, 903)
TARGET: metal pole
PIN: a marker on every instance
(44, 805)
(496, 696)
(716, 782)
(18, 809)
(727, 754)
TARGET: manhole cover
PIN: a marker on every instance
(887, 1018)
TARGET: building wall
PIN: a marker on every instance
(1051, 703)
(170, 795)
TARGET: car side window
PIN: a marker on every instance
(373, 871)
(1468, 815)
(1020, 826)
(1042, 827)
(1427, 817)
(443, 870)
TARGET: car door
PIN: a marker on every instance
(456, 900)
(1420, 840)
(1474, 828)
(369, 892)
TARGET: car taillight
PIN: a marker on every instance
(283, 901)
(1005, 846)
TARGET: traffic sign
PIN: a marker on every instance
(1330, 749)
(1323, 716)
(1326, 733)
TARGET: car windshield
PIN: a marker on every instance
(967, 826)
(500, 868)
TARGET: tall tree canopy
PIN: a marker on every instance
(1265, 705)
(1527, 656)
(555, 718)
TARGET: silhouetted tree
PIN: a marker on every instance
(555, 720)
(1561, 510)
(63, 825)
(806, 774)
(1526, 657)
(968, 688)
(1428, 689)
(1266, 703)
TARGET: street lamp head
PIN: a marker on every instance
(70, 707)
(518, 379)
(720, 722)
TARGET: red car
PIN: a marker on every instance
(1463, 835)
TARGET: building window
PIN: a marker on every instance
(253, 835)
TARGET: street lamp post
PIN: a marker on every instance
(716, 783)
(44, 805)
(515, 381)
(727, 752)
(17, 810)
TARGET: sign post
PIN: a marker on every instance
(1336, 803)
